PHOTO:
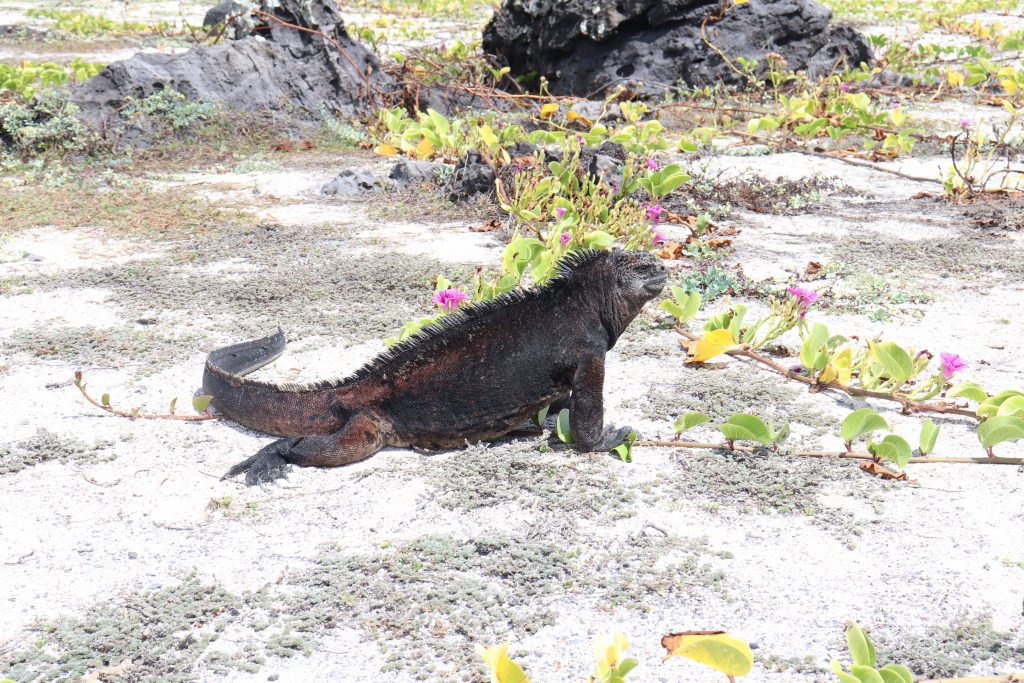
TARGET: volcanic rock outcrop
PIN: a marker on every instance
(267, 66)
(585, 47)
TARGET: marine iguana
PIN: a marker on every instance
(475, 375)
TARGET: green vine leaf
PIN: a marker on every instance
(861, 422)
(746, 427)
(201, 403)
(929, 434)
(999, 429)
(972, 391)
(564, 432)
(893, 448)
(689, 421)
(814, 350)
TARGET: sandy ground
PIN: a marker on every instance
(119, 541)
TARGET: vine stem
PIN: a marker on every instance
(827, 454)
(909, 406)
(136, 414)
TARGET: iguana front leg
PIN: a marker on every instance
(586, 409)
(360, 438)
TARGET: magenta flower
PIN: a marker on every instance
(652, 165)
(449, 298)
(845, 87)
(965, 123)
(951, 364)
(654, 213)
(805, 296)
(658, 238)
(565, 238)
(559, 212)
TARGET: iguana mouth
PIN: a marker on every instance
(656, 283)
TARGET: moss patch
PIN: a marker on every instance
(974, 259)
(948, 651)
(518, 473)
(753, 192)
(163, 632)
(93, 346)
(133, 208)
(765, 482)
(243, 284)
(430, 599)
(720, 393)
(45, 446)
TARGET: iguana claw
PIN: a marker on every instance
(266, 466)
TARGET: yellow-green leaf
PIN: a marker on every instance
(861, 648)
(608, 650)
(424, 149)
(720, 651)
(503, 669)
(839, 368)
(386, 150)
(488, 136)
(712, 344)
(201, 403)
(548, 110)
(689, 421)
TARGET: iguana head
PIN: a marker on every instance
(640, 276)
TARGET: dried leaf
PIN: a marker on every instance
(672, 641)
(575, 117)
(882, 471)
(671, 250)
(118, 670)
(489, 226)
(286, 146)
(812, 268)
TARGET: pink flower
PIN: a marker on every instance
(559, 212)
(951, 364)
(565, 238)
(654, 213)
(845, 87)
(652, 165)
(965, 123)
(658, 238)
(449, 298)
(805, 296)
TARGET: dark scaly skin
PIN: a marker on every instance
(475, 376)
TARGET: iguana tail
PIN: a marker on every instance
(283, 410)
